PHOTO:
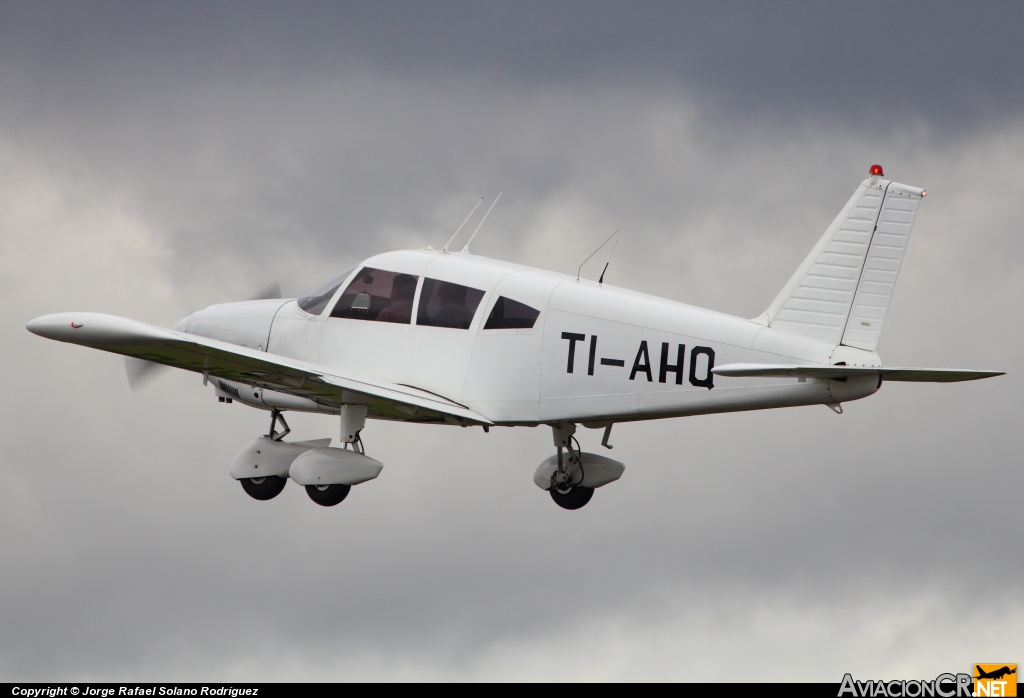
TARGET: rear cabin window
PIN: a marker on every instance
(508, 314)
(444, 304)
(381, 296)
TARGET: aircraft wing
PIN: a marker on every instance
(258, 368)
(920, 375)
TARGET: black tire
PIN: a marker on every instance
(263, 488)
(575, 498)
(327, 495)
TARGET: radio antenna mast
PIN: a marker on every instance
(580, 267)
(601, 280)
(466, 248)
(444, 250)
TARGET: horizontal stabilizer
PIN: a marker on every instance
(918, 375)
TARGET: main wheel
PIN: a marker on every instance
(575, 498)
(327, 495)
(263, 488)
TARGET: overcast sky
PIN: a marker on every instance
(156, 158)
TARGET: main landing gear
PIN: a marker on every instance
(571, 476)
(567, 489)
(265, 464)
(331, 495)
(268, 486)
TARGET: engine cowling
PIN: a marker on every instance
(245, 323)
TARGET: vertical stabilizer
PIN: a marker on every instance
(841, 292)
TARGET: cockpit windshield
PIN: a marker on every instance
(378, 295)
(316, 300)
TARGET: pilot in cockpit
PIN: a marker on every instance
(403, 288)
(453, 311)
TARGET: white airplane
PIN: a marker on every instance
(457, 339)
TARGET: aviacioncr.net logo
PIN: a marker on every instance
(995, 680)
(942, 686)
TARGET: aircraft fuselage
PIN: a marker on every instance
(595, 354)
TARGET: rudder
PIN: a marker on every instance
(841, 292)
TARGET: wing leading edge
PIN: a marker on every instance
(231, 362)
(918, 375)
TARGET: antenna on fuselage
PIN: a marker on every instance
(444, 249)
(580, 267)
(466, 248)
(601, 280)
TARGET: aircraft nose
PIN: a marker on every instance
(182, 324)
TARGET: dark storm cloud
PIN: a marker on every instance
(949, 62)
(193, 107)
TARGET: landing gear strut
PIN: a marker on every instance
(566, 490)
(275, 416)
(353, 419)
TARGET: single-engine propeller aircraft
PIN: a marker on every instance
(457, 339)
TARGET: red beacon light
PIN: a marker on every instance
(876, 170)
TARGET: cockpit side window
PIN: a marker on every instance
(444, 304)
(375, 294)
(316, 300)
(508, 314)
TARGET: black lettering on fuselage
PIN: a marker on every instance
(708, 381)
(676, 368)
(573, 338)
(645, 366)
(700, 374)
